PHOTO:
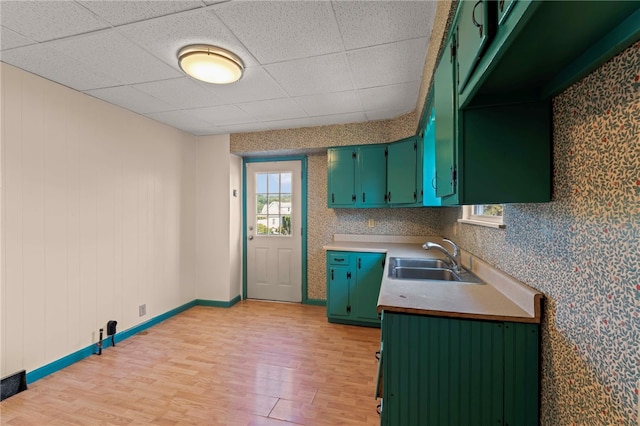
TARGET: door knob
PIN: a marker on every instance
(250, 237)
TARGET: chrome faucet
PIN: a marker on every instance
(454, 258)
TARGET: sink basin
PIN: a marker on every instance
(403, 268)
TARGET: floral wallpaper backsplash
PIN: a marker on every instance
(583, 250)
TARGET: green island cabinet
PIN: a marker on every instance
(457, 372)
(353, 285)
(356, 176)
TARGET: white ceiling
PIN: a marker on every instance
(308, 63)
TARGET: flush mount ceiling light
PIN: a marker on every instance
(211, 64)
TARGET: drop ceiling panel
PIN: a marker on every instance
(398, 96)
(255, 85)
(330, 103)
(388, 64)
(181, 93)
(134, 11)
(278, 31)
(309, 76)
(369, 23)
(116, 56)
(130, 99)
(55, 66)
(327, 120)
(10, 39)
(276, 109)
(164, 37)
(48, 20)
(182, 121)
(386, 114)
(293, 123)
(222, 115)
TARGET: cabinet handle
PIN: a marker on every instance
(359, 263)
(339, 259)
(389, 197)
(473, 17)
(363, 197)
(332, 274)
(333, 197)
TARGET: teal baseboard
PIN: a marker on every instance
(218, 303)
(85, 352)
(316, 302)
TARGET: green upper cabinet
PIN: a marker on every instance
(371, 176)
(341, 174)
(474, 29)
(445, 114)
(540, 47)
(428, 146)
(402, 166)
(504, 8)
(357, 176)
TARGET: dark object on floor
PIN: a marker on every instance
(13, 384)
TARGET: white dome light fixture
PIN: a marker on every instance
(211, 64)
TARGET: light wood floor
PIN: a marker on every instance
(257, 363)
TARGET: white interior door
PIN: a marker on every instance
(274, 228)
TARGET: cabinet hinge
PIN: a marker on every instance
(348, 309)
(382, 262)
(454, 175)
(349, 275)
(415, 146)
(353, 198)
(354, 155)
(359, 263)
(415, 196)
(386, 152)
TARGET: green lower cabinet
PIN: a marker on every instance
(449, 371)
(353, 284)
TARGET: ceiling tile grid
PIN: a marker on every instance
(307, 63)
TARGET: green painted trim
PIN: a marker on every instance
(315, 302)
(218, 303)
(87, 351)
(303, 166)
(621, 37)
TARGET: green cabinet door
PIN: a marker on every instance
(339, 279)
(450, 371)
(402, 171)
(474, 31)
(504, 7)
(428, 175)
(445, 110)
(371, 176)
(341, 177)
(364, 299)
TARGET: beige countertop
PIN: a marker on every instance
(500, 297)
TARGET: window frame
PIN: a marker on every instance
(469, 217)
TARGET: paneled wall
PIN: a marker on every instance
(583, 250)
(98, 218)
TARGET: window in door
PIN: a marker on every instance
(273, 203)
(484, 215)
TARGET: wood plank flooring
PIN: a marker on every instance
(257, 363)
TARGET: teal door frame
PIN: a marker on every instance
(303, 184)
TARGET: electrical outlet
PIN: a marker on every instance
(371, 223)
(142, 310)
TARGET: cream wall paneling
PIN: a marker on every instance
(99, 217)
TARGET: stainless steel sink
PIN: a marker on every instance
(402, 268)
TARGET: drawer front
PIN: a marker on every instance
(338, 259)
